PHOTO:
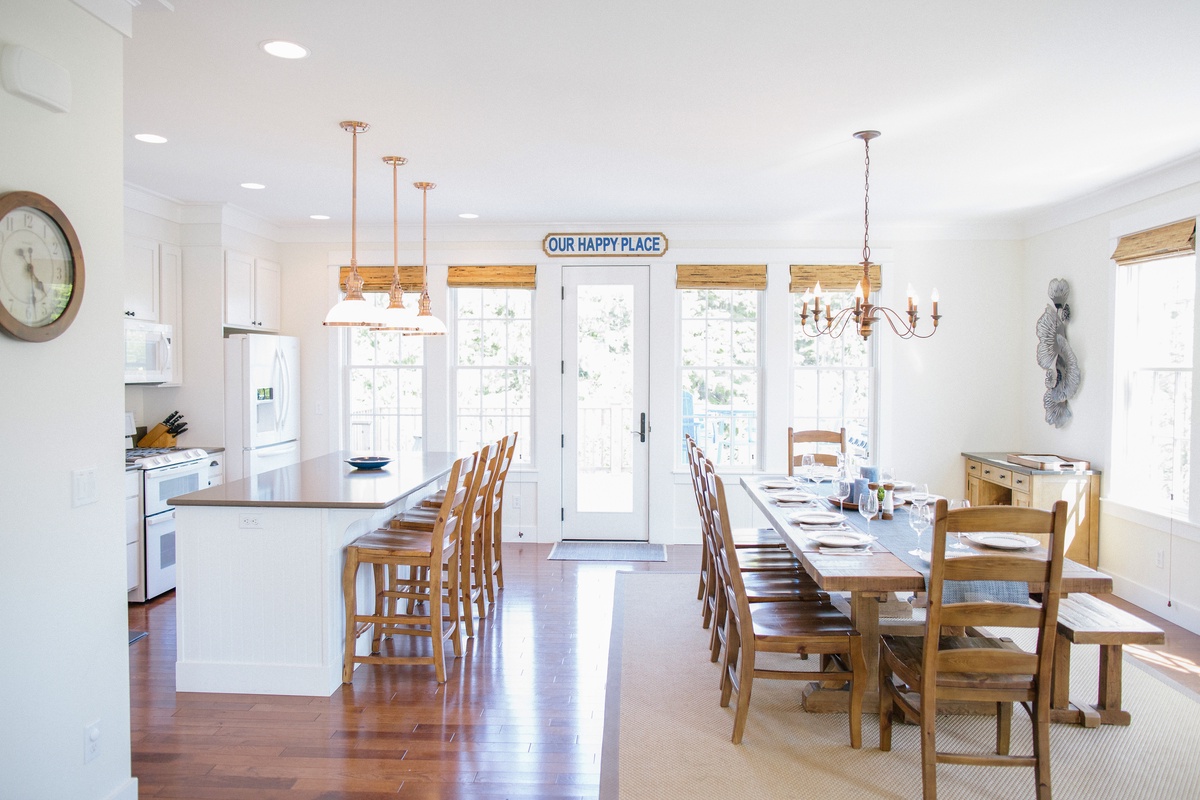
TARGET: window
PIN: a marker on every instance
(831, 378)
(719, 335)
(1154, 375)
(385, 382)
(493, 372)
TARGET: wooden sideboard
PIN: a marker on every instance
(992, 480)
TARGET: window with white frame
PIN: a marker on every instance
(493, 367)
(1154, 402)
(385, 388)
(719, 373)
(832, 379)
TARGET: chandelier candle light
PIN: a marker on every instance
(865, 314)
(353, 310)
(427, 324)
(396, 317)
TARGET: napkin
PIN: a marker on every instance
(844, 551)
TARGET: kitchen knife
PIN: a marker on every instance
(178, 431)
(171, 419)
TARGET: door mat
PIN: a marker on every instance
(135, 635)
(607, 551)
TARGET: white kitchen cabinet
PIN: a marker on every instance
(251, 292)
(170, 303)
(141, 279)
(133, 526)
(216, 469)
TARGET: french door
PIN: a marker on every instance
(606, 376)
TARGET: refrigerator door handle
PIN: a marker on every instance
(285, 405)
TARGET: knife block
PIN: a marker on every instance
(157, 437)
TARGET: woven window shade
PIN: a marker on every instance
(379, 279)
(834, 277)
(493, 277)
(721, 276)
(1176, 239)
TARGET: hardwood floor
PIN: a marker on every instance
(520, 716)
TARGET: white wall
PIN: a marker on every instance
(64, 655)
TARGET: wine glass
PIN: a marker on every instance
(806, 465)
(868, 506)
(958, 545)
(918, 520)
(840, 491)
(919, 495)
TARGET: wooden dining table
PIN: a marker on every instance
(872, 580)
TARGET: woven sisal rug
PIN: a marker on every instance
(607, 551)
(666, 737)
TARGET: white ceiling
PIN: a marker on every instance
(661, 111)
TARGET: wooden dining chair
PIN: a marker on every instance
(918, 672)
(424, 602)
(816, 437)
(796, 627)
(493, 562)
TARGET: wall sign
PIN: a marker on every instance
(604, 244)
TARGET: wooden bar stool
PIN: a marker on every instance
(493, 529)
(432, 561)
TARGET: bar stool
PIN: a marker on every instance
(432, 560)
(493, 563)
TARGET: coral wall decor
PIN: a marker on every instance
(1054, 354)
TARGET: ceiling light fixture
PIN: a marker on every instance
(150, 138)
(427, 323)
(353, 310)
(282, 49)
(396, 317)
(864, 314)
(253, 185)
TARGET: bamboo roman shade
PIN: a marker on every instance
(379, 279)
(721, 276)
(1176, 239)
(493, 277)
(834, 277)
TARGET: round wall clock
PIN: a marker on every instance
(41, 268)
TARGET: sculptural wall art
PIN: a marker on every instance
(1054, 354)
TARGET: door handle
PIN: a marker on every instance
(642, 430)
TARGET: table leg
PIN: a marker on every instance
(864, 613)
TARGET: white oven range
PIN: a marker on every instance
(166, 473)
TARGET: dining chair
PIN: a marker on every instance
(426, 602)
(493, 562)
(816, 437)
(795, 627)
(918, 672)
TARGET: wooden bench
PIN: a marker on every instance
(1086, 619)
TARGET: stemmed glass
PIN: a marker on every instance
(918, 520)
(868, 506)
(841, 490)
(958, 545)
(806, 465)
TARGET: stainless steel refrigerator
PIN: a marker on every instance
(262, 404)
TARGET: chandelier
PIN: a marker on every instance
(426, 323)
(864, 314)
(396, 317)
(353, 310)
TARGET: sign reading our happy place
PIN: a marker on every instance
(604, 244)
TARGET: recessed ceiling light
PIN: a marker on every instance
(469, 216)
(281, 49)
(254, 186)
(150, 138)
(318, 216)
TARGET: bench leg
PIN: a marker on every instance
(1061, 707)
(1109, 700)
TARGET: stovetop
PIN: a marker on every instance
(151, 457)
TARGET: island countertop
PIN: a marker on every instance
(327, 482)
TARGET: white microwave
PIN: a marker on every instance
(148, 353)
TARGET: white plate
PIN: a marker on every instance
(1003, 541)
(778, 483)
(816, 517)
(796, 497)
(841, 539)
(902, 486)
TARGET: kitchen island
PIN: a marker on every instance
(259, 561)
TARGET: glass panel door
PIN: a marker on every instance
(605, 390)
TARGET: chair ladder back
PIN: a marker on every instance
(724, 550)
(817, 437)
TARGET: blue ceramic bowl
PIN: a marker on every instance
(368, 462)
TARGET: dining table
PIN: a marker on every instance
(873, 576)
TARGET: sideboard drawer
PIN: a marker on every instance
(996, 475)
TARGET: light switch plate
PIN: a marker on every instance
(83, 487)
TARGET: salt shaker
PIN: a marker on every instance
(888, 506)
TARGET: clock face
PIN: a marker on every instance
(41, 274)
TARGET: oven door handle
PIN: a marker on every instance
(161, 519)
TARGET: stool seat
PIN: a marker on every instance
(400, 543)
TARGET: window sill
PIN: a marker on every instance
(1155, 520)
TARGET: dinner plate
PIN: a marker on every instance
(816, 517)
(902, 486)
(1003, 541)
(778, 483)
(842, 539)
(799, 496)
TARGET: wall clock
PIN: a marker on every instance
(41, 268)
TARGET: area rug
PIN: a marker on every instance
(666, 736)
(607, 551)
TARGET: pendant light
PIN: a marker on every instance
(353, 310)
(396, 317)
(427, 323)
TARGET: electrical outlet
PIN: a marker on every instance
(250, 521)
(1160, 559)
(516, 503)
(91, 741)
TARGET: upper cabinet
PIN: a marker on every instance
(251, 292)
(141, 279)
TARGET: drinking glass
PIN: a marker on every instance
(918, 520)
(868, 506)
(919, 495)
(806, 465)
(958, 545)
(841, 490)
